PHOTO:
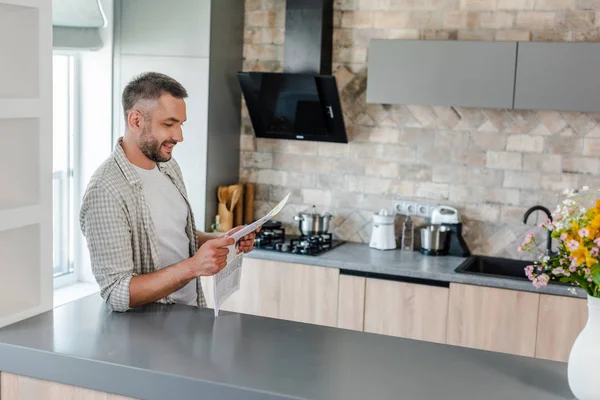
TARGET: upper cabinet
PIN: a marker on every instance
(450, 73)
(558, 76)
(508, 75)
(183, 28)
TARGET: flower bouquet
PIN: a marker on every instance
(576, 225)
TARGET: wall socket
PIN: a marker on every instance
(413, 208)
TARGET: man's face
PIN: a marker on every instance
(162, 128)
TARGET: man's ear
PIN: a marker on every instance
(135, 121)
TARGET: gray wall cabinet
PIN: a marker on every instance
(450, 73)
(508, 75)
(199, 43)
(558, 76)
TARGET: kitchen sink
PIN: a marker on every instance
(493, 266)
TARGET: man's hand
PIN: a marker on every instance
(245, 244)
(212, 256)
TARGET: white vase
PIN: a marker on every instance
(584, 359)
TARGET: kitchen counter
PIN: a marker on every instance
(360, 258)
(182, 352)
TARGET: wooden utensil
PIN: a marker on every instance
(225, 216)
(249, 203)
(238, 209)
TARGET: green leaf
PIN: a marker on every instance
(596, 278)
(565, 279)
(595, 269)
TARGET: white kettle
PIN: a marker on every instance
(383, 236)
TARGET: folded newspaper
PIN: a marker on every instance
(227, 281)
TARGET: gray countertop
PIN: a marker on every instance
(182, 352)
(361, 258)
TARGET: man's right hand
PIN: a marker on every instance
(212, 256)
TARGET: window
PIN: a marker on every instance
(64, 111)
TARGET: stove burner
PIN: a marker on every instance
(272, 238)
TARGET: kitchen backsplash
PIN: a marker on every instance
(491, 164)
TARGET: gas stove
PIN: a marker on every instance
(272, 237)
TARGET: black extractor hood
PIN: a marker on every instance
(302, 102)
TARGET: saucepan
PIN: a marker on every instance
(313, 223)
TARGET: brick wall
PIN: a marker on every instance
(491, 164)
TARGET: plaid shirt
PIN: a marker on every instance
(120, 234)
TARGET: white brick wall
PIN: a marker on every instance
(492, 164)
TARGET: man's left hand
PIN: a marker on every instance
(245, 244)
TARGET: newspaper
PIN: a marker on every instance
(227, 281)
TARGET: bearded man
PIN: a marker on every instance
(135, 214)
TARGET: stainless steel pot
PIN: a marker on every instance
(312, 223)
(433, 239)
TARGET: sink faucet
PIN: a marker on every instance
(549, 237)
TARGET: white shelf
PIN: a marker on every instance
(20, 179)
(13, 218)
(26, 163)
(14, 312)
(19, 108)
(22, 3)
(20, 49)
(20, 269)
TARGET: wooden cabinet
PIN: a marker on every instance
(502, 320)
(493, 319)
(17, 387)
(308, 294)
(560, 320)
(283, 290)
(406, 310)
(351, 302)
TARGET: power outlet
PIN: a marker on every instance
(413, 208)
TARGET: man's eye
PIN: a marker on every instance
(169, 125)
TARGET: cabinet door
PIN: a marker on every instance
(308, 294)
(284, 290)
(558, 76)
(406, 310)
(559, 322)
(144, 30)
(259, 289)
(351, 302)
(17, 387)
(493, 319)
(441, 73)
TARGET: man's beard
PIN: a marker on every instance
(151, 148)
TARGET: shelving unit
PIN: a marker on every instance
(26, 162)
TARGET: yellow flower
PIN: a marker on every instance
(580, 255)
(595, 224)
(592, 232)
(575, 230)
(596, 209)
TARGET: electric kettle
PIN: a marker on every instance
(383, 236)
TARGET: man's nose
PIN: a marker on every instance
(178, 135)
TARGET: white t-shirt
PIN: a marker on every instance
(169, 212)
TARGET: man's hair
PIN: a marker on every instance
(150, 86)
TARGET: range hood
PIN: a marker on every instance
(302, 102)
